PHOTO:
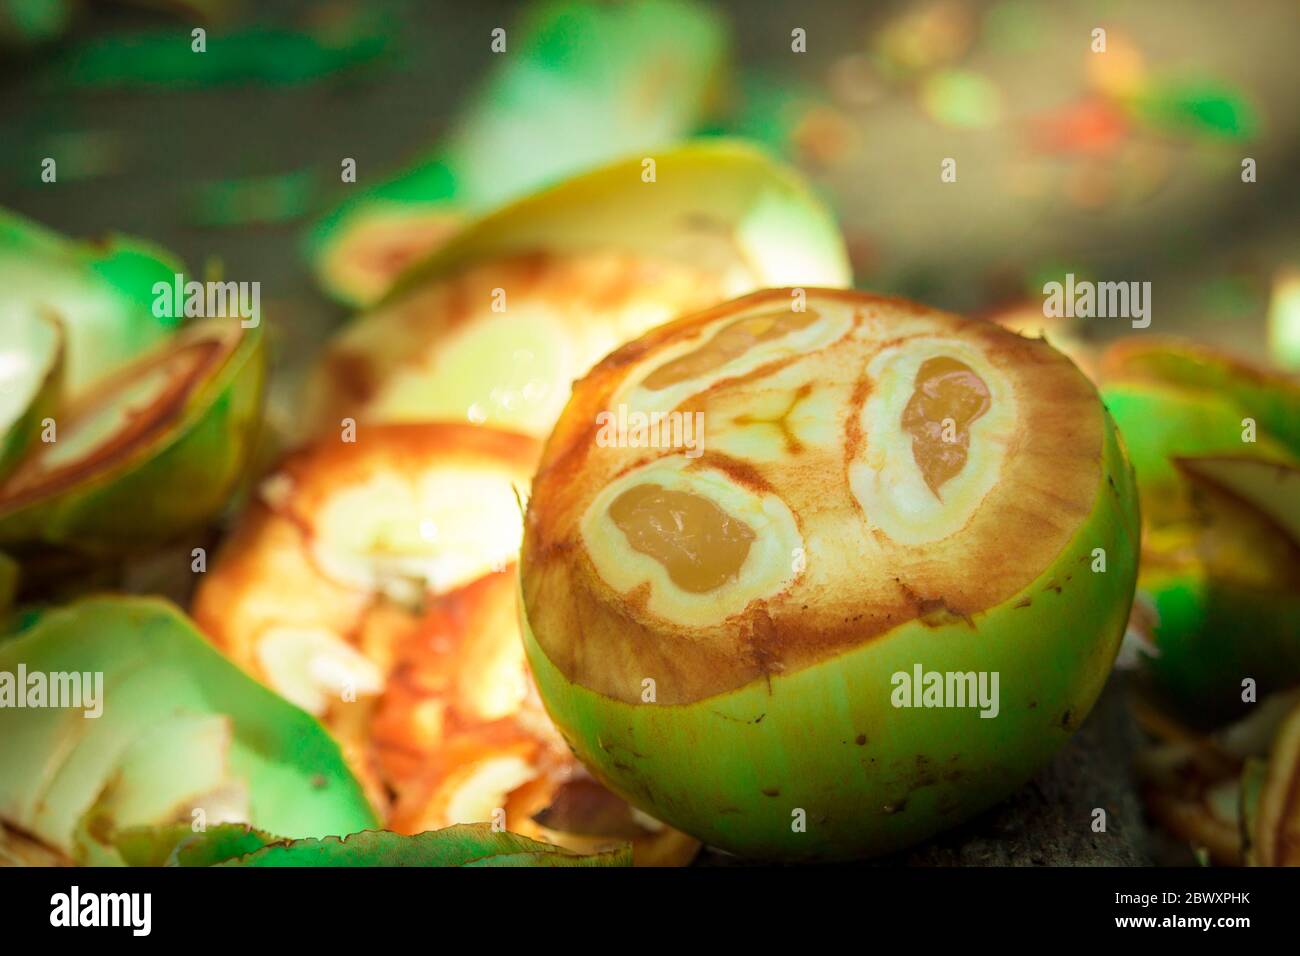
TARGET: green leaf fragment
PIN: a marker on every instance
(462, 845)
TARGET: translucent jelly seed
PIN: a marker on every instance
(700, 545)
(949, 396)
(731, 342)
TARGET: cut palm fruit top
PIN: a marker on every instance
(495, 327)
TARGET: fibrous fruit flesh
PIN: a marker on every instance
(726, 634)
(373, 584)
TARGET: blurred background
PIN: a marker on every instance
(1122, 165)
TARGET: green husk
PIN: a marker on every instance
(101, 292)
(27, 338)
(580, 84)
(175, 484)
(166, 692)
(1221, 540)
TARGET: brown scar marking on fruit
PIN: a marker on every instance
(1067, 719)
(934, 612)
(742, 473)
(771, 791)
(1023, 602)
(763, 645)
(611, 746)
(793, 445)
(853, 436)
(860, 739)
(1053, 585)
(639, 597)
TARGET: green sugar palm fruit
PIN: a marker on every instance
(872, 575)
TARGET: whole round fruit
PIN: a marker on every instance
(816, 574)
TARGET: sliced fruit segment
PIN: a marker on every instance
(720, 637)
(358, 259)
(180, 729)
(151, 452)
(31, 367)
(495, 327)
(734, 340)
(584, 83)
(690, 543)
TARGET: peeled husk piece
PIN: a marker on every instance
(147, 455)
(874, 546)
(495, 327)
(1275, 834)
(1271, 397)
(100, 291)
(374, 584)
(229, 844)
(1230, 793)
(181, 730)
(1221, 541)
(584, 83)
(31, 376)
